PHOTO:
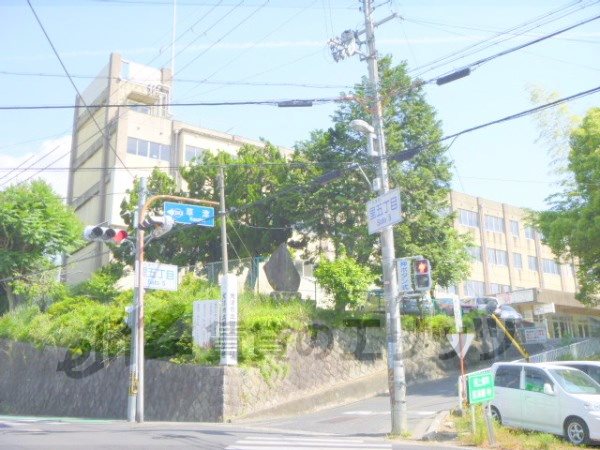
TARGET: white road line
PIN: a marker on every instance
(303, 443)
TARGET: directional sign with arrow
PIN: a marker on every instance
(190, 214)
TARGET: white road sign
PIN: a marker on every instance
(460, 342)
(520, 296)
(160, 276)
(404, 273)
(384, 211)
(535, 335)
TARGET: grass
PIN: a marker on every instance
(506, 438)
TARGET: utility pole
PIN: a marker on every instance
(348, 44)
(139, 306)
(223, 221)
(397, 380)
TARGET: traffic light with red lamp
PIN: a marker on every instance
(422, 272)
(104, 234)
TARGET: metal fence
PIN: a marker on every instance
(578, 350)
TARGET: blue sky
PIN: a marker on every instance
(237, 50)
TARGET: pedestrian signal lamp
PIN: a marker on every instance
(422, 271)
(157, 225)
(104, 234)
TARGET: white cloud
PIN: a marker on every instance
(50, 162)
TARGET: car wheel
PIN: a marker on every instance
(576, 431)
(496, 414)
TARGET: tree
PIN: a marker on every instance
(346, 280)
(337, 211)
(572, 226)
(35, 225)
(259, 216)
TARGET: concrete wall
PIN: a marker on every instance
(50, 383)
(320, 368)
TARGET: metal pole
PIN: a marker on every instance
(397, 377)
(133, 365)
(140, 303)
(223, 222)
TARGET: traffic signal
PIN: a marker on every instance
(422, 271)
(158, 225)
(104, 234)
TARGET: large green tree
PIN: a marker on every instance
(572, 226)
(259, 216)
(337, 211)
(35, 225)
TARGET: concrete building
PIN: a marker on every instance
(511, 263)
(117, 143)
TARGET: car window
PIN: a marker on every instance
(535, 379)
(508, 376)
(575, 381)
(594, 372)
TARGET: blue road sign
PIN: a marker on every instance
(190, 214)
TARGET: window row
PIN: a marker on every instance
(148, 149)
(493, 223)
(500, 258)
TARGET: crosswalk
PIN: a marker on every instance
(305, 442)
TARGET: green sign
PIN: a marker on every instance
(480, 387)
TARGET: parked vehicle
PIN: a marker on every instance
(592, 368)
(416, 307)
(547, 397)
(506, 312)
(487, 304)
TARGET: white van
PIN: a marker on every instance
(547, 397)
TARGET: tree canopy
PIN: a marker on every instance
(35, 225)
(572, 226)
(337, 211)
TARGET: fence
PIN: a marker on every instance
(578, 350)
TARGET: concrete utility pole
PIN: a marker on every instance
(222, 211)
(139, 307)
(396, 375)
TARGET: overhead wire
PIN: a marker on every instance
(73, 83)
(489, 42)
(253, 45)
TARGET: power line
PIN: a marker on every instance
(279, 103)
(527, 44)
(72, 82)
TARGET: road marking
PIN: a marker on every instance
(303, 443)
(367, 413)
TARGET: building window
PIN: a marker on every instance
(550, 266)
(139, 107)
(144, 148)
(517, 261)
(530, 232)
(468, 218)
(496, 288)
(497, 257)
(514, 228)
(494, 223)
(192, 152)
(475, 253)
(474, 288)
(532, 262)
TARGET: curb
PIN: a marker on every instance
(432, 430)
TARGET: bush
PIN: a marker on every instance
(346, 280)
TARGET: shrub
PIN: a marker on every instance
(346, 280)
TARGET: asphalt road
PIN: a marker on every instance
(360, 425)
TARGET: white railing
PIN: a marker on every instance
(578, 350)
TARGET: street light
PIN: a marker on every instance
(367, 129)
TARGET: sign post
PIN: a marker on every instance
(480, 389)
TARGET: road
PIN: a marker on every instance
(361, 425)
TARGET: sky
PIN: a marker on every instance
(248, 50)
